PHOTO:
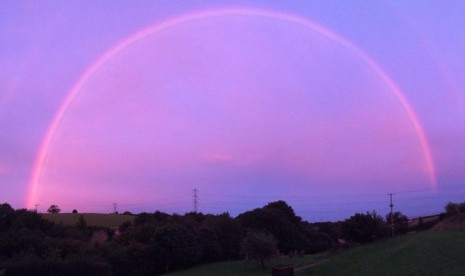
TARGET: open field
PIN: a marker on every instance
(428, 219)
(247, 268)
(105, 220)
(428, 253)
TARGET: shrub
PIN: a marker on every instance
(176, 246)
(364, 227)
(259, 246)
(452, 209)
(399, 221)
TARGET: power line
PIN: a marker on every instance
(310, 196)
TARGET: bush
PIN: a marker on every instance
(364, 228)
(37, 267)
(259, 246)
(452, 209)
(176, 246)
(400, 222)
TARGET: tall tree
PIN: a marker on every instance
(53, 209)
(259, 246)
(176, 246)
(364, 227)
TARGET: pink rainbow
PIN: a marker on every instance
(41, 159)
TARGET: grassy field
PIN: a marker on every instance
(428, 253)
(429, 219)
(246, 268)
(105, 220)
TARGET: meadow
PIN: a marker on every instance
(426, 253)
(249, 268)
(92, 219)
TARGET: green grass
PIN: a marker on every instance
(428, 253)
(246, 268)
(105, 220)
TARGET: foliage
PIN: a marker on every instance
(425, 253)
(228, 232)
(291, 232)
(210, 245)
(38, 267)
(452, 209)
(364, 228)
(318, 242)
(332, 229)
(259, 246)
(462, 207)
(53, 209)
(6, 216)
(132, 259)
(278, 219)
(30, 245)
(400, 222)
(176, 246)
(149, 244)
(157, 218)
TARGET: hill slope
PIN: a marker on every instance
(243, 268)
(105, 220)
(456, 222)
(428, 253)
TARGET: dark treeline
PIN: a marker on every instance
(158, 242)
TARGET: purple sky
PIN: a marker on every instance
(327, 105)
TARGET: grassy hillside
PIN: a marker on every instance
(106, 220)
(249, 268)
(428, 253)
(450, 223)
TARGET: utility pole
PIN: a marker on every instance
(195, 201)
(37, 205)
(392, 217)
(115, 210)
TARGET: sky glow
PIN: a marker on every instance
(248, 105)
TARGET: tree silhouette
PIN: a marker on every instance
(364, 227)
(399, 221)
(54, 209)
(452, 209)
(259, 246)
